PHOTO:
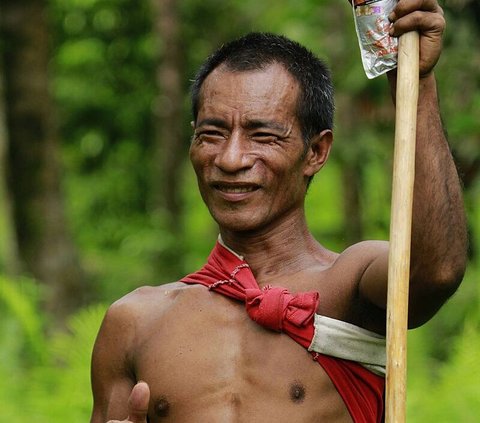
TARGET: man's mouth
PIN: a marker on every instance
(236, 189)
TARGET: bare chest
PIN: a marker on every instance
(205, 357)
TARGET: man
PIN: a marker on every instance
(191, 351)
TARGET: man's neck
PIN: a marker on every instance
(286, 247)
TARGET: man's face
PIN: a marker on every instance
(247, 150)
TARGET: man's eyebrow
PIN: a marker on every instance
(250, 124)
(213, 122)
(268, 124)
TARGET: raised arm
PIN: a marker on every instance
(439, 241)
(439, 236)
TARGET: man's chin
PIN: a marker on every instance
(237, 222)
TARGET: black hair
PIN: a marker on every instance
(256, 51)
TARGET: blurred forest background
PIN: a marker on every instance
(97, 196)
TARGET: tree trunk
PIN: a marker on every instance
(170, 150)
(352, 210)
(44, 243)
(348, 153)
(9, 261)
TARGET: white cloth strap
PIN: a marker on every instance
(349, 342)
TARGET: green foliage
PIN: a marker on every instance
(446, 392)
(66, 375)
(15, 301)
(45, 375)
(443, 366)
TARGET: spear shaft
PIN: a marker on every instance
(401, 225)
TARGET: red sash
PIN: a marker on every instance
(293, 314)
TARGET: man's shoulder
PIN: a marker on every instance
(144, 298)
(361, 254)
(353, 268)
(145, 305)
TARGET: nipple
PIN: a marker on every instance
(297, 392)
(162, 407)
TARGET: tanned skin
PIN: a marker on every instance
(199, 356)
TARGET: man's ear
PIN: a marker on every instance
(318, 152)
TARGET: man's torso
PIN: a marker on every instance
(205, 360)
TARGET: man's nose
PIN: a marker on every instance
(235, 154)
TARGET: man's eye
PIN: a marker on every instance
(265, 137)
(209, 135)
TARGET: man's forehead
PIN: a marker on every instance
(268, 85)
(273, 71)
(262, 98)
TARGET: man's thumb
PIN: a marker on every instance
(138, 403)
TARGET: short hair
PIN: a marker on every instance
(256, 51)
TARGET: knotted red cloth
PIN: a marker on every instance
(277, 309)
(272, 306)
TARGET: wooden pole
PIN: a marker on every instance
(400, 226)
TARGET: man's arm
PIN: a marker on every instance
(439, 240)
(112, 375)
(439, 235)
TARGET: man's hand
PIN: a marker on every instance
(426, 17)
(137, 404)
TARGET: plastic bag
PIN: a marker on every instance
(378, 49)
